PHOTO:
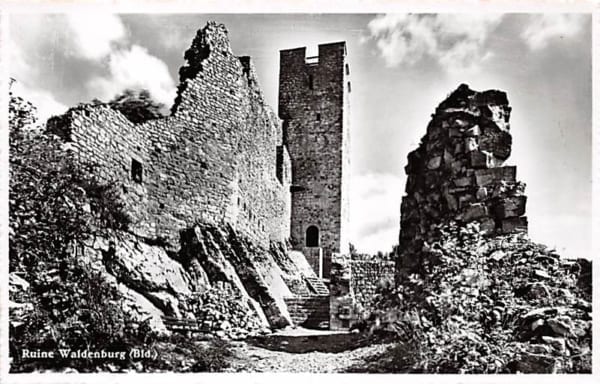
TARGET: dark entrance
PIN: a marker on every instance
(312, 236)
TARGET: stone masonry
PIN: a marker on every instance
(313, 104)
(219, 157)
(368, 275)
(457, 173)
(223, 164)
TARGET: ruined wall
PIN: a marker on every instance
(213, 160)
(312, 103)
(342, 308)
(107, 140)
(367, 275)
(215, 168)
(457, 173)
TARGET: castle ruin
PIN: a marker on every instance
(223, 158)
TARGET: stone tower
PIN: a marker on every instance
(313, 104)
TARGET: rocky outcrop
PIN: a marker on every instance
(456, 174)
(230, 258)
(155, 282)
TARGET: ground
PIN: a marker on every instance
(302, 350)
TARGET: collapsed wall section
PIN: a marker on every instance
(457, 173)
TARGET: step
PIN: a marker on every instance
(317, 285)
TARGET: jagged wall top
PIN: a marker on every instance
(213, 160)
(457, 173)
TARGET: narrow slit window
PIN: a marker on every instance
(311, 82)
(318, 117)
(137, 171)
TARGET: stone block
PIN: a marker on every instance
(513, 224)
(473, 131)
(463, 182)
(481, 194)
(484, 177)
(487, 226)
(474, 212)
(434, 163)
(465, 200)
(450, 201)
(471, 144)
(512, 206)
(478, 159)
(455, 132)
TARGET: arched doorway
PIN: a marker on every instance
(312, 236)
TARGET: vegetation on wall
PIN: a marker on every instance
(62, 303)
(137, 105)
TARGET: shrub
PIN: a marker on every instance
(137, 106)
(54, 204)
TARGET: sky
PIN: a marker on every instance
(402, 66)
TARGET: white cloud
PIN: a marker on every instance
(544, 28)
(375, 211)
(94, 35)
(46, 105)
(19, 67)
(135, 68)
(455, 41)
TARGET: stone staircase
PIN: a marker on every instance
(317, 286)
(181, 325)
(309, 311)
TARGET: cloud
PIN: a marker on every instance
(375, 211)
(94, 35)
(27, 74)
(135, 68)
(46, 105)
(97, 42)
(455, 41)
(544, 28)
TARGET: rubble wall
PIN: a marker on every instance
(457, 173)
(367, 275)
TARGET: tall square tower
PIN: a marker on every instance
(314, 105)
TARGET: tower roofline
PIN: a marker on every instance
(343, 43)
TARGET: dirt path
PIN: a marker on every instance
(302, 350)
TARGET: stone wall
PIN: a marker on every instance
(342, 312)
(213, 160)
(313, 102)
(457, 174)
(368, 274)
